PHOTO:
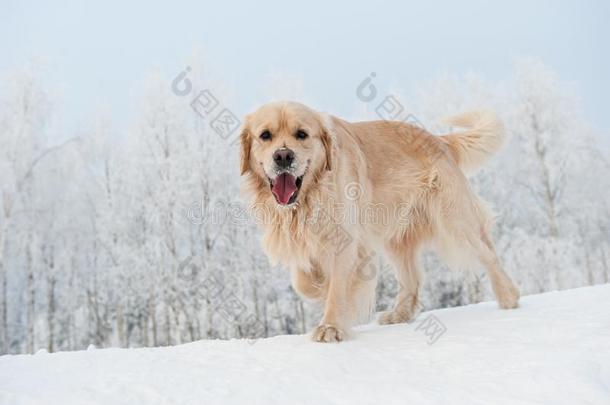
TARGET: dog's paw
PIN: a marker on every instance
(509, 298)
(328, 334)
(394, 316)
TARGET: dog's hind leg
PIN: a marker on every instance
(403, 255)
(505, 291)
(465, 240)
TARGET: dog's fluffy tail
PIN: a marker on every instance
(483, 136)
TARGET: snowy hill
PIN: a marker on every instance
(554, 349)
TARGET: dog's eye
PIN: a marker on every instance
(301, 134)
(265, 136)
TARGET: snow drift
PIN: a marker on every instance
(554, 349)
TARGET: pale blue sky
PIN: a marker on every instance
(98, 53)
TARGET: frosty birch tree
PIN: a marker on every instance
(22, 118)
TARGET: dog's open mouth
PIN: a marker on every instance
(285, 188)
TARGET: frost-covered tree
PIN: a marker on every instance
(23, 116)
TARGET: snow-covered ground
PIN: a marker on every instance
(554, 349)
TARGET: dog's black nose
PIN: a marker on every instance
(283, 158)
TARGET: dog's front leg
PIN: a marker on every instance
(335, 322)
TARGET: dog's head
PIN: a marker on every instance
(287, 145)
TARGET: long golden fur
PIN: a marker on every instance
(367, 186)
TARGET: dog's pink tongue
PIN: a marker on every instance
(284, 187)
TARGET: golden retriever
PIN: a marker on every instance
(328, 193)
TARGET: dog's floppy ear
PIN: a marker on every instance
(246, 143)
(327, 142)
(328, 138)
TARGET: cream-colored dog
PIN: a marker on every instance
(329, 192)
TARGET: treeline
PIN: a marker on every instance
(118, 240)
